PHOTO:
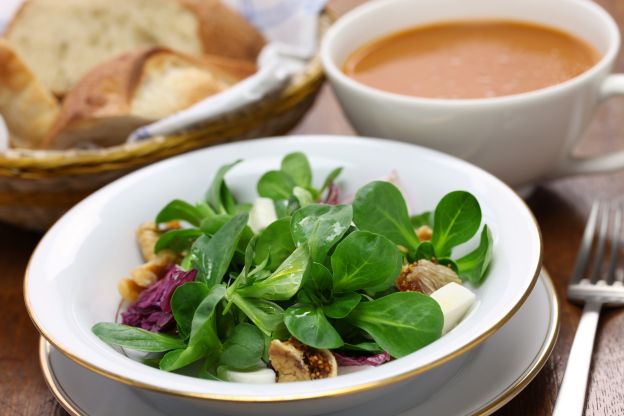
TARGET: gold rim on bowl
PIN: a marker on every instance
(496, 403)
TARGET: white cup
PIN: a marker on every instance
(521, 138)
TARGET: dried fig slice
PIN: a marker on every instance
(425, 276)
(294, 361)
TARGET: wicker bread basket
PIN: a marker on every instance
(37, 187)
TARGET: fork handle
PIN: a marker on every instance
(571, 397)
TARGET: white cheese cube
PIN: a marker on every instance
(262, 376)
(454, 300)
(262, 214)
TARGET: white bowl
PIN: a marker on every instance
(71, 281)
(521, 138)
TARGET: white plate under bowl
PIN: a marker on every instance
(505, 364)
(71, 280)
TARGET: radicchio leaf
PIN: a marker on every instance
(333, 194)
(351, 360)
(152, 310)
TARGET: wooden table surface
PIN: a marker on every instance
(560, 207)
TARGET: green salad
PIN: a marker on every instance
(296, 285)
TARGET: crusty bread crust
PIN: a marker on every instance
(98, 106)
(27, 107)
(224, 32)
(134, 89)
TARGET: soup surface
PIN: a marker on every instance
(470, 59)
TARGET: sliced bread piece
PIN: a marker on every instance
(137, 88)
(28, 108)
(62, 40)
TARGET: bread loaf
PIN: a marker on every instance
(28, 108)
(61, 40)
(135, 89)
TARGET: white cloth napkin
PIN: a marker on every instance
(7, 10)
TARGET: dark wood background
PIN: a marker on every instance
(560, 207)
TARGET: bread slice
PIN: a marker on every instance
(137, 88)
(62, 40)
(28, 108)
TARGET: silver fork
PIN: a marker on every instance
(595, 289)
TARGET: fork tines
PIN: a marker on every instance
(604, 225)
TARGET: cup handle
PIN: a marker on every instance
(612, 86)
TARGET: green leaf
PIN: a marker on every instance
(214, 223)
(209, 367)
(303, 196)
(228, 201)
(281, 208)
(170, 360)
(449, 263)
(244, 348)
(250, 252)
(474, 265)
(275, 185)
(203, 337)
(424, 251)
(184, 303)
(203, 331)
(177, 240)
(242, 208)
(210, 225)
(379, 207)
(331, 178)
(136, 338)
(179, 210)
(284, 282)
(275, 242)
(425, 218)
(293, 205)
(309, 325)
(371, 347)
(218, 196)
(204, 209)
(266, 315)
(364, 260)
(212, 255)
(296, 166)
(317, 281)
(349, 332)
(186, 263)
(320, 226)
(341, 306)
(227, 318)
(400, 323)
(457, 218)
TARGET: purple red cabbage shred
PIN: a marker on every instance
(345, 360)
(152, 310)
(333, 194)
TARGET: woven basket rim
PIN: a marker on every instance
(13, 162)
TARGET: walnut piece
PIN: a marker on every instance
(424, 233)
(148, 273)
(294, 361)
(148, 234)
(129, 290)
(425, 276)
(155, 264)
